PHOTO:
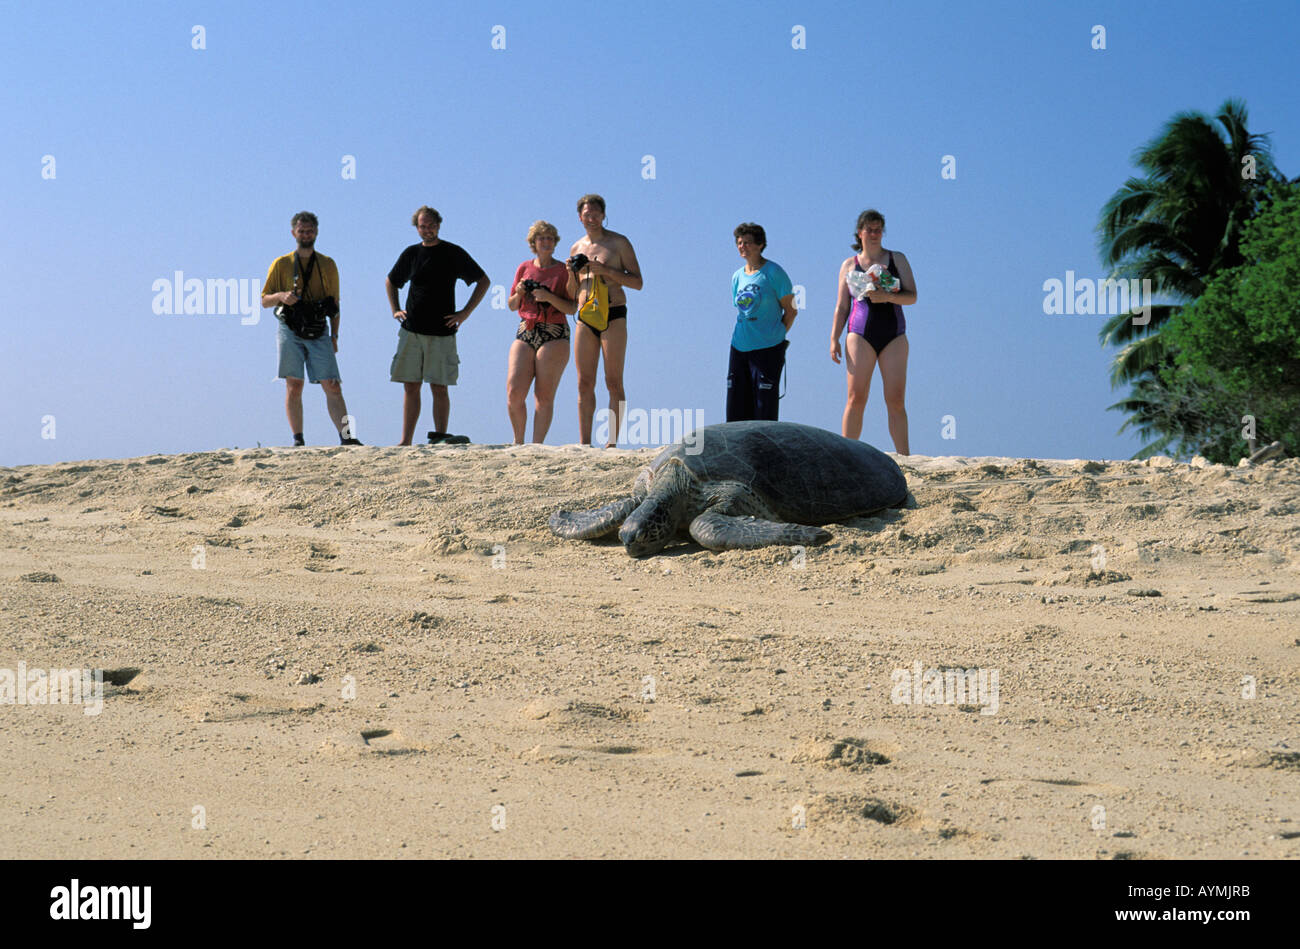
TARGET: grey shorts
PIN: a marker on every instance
(421, 358)
(317, 354)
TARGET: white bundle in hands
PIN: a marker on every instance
(859, 283)
(875, 277)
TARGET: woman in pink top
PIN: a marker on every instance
(541, 347)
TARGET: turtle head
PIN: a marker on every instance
(650, 527)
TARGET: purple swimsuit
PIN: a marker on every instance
(878, 323)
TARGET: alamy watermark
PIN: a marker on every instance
(1104, 297)
(76, 901)
(946, 687)
(53, 687)
(211, 297)
(653, 427)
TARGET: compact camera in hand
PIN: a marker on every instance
(577, 262)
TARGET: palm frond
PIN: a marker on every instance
(1120, 330)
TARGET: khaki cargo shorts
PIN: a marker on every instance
(421, 358)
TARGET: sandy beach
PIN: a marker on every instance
(385, 653)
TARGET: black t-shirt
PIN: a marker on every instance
(433, 272)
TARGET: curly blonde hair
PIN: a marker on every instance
(539, 228)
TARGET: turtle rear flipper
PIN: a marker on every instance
(718, 531)
(588, 525)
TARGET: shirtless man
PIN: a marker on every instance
(610, 256)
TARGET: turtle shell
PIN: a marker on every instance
(806, 475)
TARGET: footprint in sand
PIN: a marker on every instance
(856, 754)
(120, 677)
(1279, 760)
(842, 809)
(839, 808)
(564, 754)
(386, 741)
(243, 706)
(1058, 782)
(580, 710)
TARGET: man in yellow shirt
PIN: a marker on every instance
(304, 276)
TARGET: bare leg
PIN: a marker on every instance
(293, 404)
(441, 407)
(586, 356)
(893, 376)
(551, 360)
(334, 402)
(410, 410)
(860, 361)
(519, 376)
(613, 342)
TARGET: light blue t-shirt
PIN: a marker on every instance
(757, 297)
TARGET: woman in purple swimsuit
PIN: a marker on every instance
(876, 330)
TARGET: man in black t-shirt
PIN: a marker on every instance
(426, 341)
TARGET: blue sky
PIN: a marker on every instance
(169, 158)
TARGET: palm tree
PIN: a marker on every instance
(1177, 418)
(1177, 226)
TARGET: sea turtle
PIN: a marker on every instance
(739, 485)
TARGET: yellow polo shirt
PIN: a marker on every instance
(324, 277)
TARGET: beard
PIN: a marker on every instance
(307, 245)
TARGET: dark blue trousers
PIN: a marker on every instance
(753, 383)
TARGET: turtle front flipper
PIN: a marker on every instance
(718, 531)
(588, 525)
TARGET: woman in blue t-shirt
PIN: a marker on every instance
(764, 301)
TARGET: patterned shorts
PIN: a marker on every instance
(542, 333)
